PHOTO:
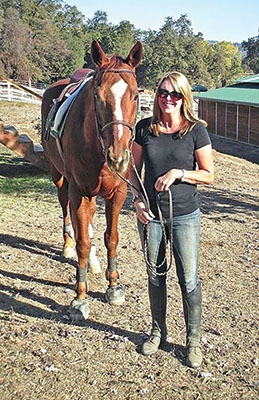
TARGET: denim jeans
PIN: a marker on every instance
(186, 235)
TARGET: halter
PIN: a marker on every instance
(100, 129)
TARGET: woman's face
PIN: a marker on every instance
(169, 103)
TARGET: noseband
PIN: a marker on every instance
(101, 129)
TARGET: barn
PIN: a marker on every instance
(233, 111)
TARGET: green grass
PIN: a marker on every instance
(18, 178)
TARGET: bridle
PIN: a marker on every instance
(100, 129)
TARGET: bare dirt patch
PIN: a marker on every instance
(45, 356)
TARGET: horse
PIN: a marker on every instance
(90, 158)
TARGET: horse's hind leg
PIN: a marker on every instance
(68, 233)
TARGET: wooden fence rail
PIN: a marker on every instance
(11, 93)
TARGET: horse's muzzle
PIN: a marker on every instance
(119, 163)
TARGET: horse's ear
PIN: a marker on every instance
(98, 54)
(135, 55)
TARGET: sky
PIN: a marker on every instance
(230, 20)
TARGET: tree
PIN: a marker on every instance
(124, 38)
(226, 63)
(100, 30)
(50, 52)
(72, 29)
(252, 57)
(15, 47)
(50, 39)
(173, 47)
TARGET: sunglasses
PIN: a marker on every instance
(163, 93)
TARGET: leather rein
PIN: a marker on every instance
(153, 268)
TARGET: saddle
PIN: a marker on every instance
(53, 128)
(76, 80)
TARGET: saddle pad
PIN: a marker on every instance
(60, 118)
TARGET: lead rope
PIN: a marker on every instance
(152, 267)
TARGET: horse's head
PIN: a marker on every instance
(116, 104)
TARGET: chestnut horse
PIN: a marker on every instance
(94, 147)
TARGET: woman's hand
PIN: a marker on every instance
(143, 214)
(165, 181)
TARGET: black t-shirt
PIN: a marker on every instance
(164, 152)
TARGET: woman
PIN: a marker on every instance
(175, 147)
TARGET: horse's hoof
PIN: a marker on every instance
(93, 265)
(114, 295)
(69, 252)
(79, 309)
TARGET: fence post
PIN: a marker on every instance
(9, 91)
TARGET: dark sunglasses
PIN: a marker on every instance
(163, 93)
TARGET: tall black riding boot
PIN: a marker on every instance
(192, 316)
(158, 302)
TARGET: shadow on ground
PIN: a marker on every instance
(234, 148)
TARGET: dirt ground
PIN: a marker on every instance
(44, 356)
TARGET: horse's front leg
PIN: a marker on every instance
(80, 212)
(93, 264)
(114, 294)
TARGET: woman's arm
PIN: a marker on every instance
(204, 174)
(143, 214)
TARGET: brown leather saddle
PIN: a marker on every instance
(76, 80)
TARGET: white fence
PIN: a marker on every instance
(11, 93)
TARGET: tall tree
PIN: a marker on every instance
(124, 38)
(100, 30)
(226, 63)
(252, 56)
(15, 47)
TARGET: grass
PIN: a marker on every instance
(22, 182)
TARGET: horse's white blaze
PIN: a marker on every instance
(118, 90)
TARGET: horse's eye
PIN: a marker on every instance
(135, 97)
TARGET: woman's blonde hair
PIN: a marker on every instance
(181, 84)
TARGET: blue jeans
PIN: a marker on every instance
(186, 235)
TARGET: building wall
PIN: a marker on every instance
(254, 125)
(221, 117)
(234, 121)
(231, 128)
(243, 123)
(211, 119)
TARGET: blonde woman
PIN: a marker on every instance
(175, 147)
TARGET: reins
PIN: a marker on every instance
(144, 197)
(142, 193)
